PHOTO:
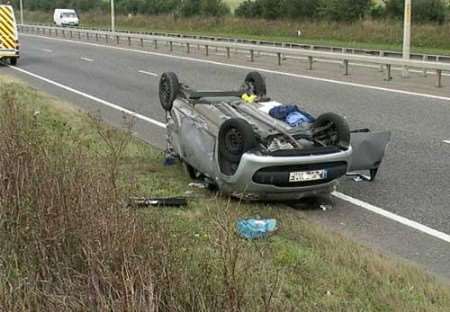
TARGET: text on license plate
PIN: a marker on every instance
(302, 176)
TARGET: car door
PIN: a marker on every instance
(368, 149)
(197, 141)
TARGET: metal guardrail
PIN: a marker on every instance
(292, 45)
(280, 52)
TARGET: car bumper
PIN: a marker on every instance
(267, 177)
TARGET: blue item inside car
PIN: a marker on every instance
(291, 114)
(254, 228)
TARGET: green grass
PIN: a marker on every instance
(371, 34)
(181, 258)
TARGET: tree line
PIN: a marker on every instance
(185, 8)
(343, 10)
(336, 10)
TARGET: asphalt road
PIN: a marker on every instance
(413, 182)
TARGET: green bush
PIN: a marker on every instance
(377, 10)
(272, 9)
(330, 9)
(343, 10)
(213, 8)
(300, 8)
(249, 8)
(422, 10)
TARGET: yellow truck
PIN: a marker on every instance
(9, 38)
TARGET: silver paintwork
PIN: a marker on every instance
(193, 134)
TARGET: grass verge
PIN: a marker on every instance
(370, 34)
(69, 243)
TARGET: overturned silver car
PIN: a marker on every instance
(243, 143)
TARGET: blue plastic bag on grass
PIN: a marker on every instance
(254, 228)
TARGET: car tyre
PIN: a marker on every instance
(169, 87)
(236, 136)
(255, 81)
(13, 61)
(332, 129)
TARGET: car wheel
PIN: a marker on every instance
(255, 81)
(236, 137)
(168, 90)
(13, 61)
(331, 129)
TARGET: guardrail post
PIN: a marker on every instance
(96, 36)
(106, 38)
(87, 36)
(188, 48)
(129, 40)
(252, 55)
(155, 44)
(64, 33)
(79, 35)
(425, 58)
(71, 34)
(228, 52)
(310, 62)
(142, 42)
(171, 46)
(279, 58)
(117, 39)
(439, 78)
(346, 67)
(206, 50)
(381, 66)
(388, 72)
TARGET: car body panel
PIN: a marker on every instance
(194, 121)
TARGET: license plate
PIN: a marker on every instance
(302, 176)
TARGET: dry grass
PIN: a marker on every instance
(379, 34)
(70, 244)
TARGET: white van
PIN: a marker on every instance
(66, 17)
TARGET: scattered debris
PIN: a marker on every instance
(326, 207)
(170, 158)
(358, 179)
(158, 202)
(254, 229)
(199, 185)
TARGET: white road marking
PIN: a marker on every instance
(446, 141)
(392, 216)
(93, 98)
(47, 50)
(191, 59)
(147, 73)
(86, 59)
(412, 224)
